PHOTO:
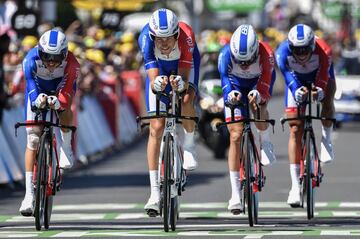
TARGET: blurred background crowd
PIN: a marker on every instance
(103, 33)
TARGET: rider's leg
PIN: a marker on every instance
(234, 165)
(33, 136)
(294, 151)
(153, 152)
(328, 110)
(267, 149)
(66, 153)
(190, 161)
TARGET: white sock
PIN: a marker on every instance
(154, 183)
(235, 184)
(189, 138)
(326, 133)
(295, 174)
(264, 135)
(29, 191)
(66, 137)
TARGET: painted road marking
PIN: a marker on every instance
(159, 233)
(208, 205)
(184, 215)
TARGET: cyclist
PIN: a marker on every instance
(304, 57)
(246, 67)
(51, 73)
(169, 48)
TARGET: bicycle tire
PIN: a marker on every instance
(256, 162)
(248, 182)
(39, 195)
(166, 202)
(174, 212)
(49, 199)
(310, 153)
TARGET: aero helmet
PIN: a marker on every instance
(53, 46)
(163, 23)
(301, 39)
(244, 45)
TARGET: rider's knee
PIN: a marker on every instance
(33, 137)
(235, 136)
(156, 130)
(295, 129)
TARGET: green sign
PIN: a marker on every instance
(242, 6)
(334, 10)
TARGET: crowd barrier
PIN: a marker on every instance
(93, 135)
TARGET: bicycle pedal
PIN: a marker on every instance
(152, 213)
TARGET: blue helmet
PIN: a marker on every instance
(163, 23)
(53, 46)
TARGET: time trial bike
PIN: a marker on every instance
(310, 168)
(252, 177)
(47, 177)
(172, 175)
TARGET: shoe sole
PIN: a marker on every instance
(26, 213)
(235, 211)
(294, 205)
(152, 212)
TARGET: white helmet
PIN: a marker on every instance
(53, 46)
(244, 45)
(301, 39)
(163, 23)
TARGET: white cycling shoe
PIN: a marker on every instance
(267, 153)
(327, 151)
(152, 207)
(66, 156)
(190, 162)
(235, 205)
(294, 198)
(27, 206)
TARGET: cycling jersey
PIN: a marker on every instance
(61, 82)
(184, 55)
(318, 69)
(260, 76)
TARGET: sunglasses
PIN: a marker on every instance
(51, 57)
(245, 63)
(301, 50)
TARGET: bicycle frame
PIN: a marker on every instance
(310, 172)
(251, 174)
(177, 176)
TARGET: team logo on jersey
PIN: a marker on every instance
(189, 41)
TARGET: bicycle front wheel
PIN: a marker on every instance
(248, 158)
(309, 160)
(40, 195)
(166, 194)
(49, 178)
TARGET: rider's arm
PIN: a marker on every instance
(282, 54)
(224, 64)
(29, 67)
(146, 45)
(68, 89)
(324, 52)
(267, 77)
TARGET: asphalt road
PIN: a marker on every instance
(106, 198)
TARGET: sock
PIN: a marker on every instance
(154, 183)
(295, 173)
(28, 184)
(235, 184)
(189, 139)
(264, 135)
(66, 137)
(326, 133)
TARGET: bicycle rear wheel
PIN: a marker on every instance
(166, 194)
(310, 154)
(40, 194)
(249, 160)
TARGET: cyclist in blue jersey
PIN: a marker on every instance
(171, 59)
(305, 58)
(51, 72)
(246, 67)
